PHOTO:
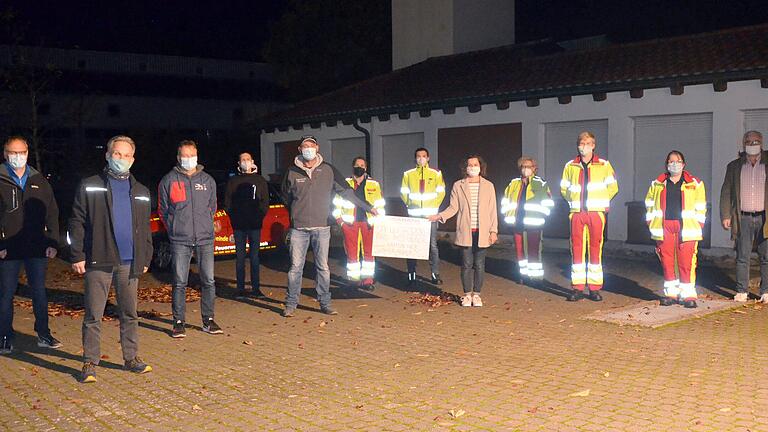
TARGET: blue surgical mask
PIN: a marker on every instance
(188, 163)
(309, 153)
(119, 166)
(17, 160)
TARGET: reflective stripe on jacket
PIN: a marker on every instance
(694, 207)
(537, 202)
(422, 191)
(345, 210)
(600, 181)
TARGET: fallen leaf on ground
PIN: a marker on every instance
(607, 374)
(196, 407)
(457, 413)
(739, 311)
(322, 324)
(582, 393)
(434, 300)
(725, 409)
(247, 342)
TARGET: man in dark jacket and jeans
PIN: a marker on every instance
(308, 187)
(29, 231)
(246, 201)
(111, 243)
(187, 205)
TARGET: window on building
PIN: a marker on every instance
(113, 110)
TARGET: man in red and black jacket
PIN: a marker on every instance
(29, 232)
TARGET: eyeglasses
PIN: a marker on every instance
(755, 142)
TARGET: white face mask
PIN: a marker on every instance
(247, 166)
(753, 150)
(527, 172)
(585, 152)
(675, 168)
(473, 171)
(309, 153)
(189, 163)
(422, 161)
(120, 166)
(17, 160)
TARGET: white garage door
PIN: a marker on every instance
(560, 139)
(655, 136)
(756, 120)
(343, 150)
(398, 157)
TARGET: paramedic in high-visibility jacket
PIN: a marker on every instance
(588, 185)
(526, 205)
(676, 210)
(357, 225)
(422, 191)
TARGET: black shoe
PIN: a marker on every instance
(575, 295)
(436, 279)
(6, 347)
(240, 295)
(595, 296)
(328, 310)
(690, 304)
(137, 366)
(668, 301)
(411, 279)
(210, 326)
(368, 287)
(48, 341)
(178, 330)
(257, 294)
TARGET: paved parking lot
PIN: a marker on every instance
(524, 362)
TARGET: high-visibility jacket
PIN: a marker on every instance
(422, 191)
(345, 210)
(600, 183)
(694, 207)
(537, 202)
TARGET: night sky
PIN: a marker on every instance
(238, 29)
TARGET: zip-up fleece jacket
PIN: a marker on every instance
(187, 205)
(308, 193)
(29, 217)
(246, 200)
(91, 229)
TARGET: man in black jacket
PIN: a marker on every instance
(246, 201)
(29, 232)
(111, 242)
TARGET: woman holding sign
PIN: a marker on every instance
(473, 198)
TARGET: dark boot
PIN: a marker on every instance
(690, 303)
(595, 296)
(575, 295)
(436, 279)
(668, 301)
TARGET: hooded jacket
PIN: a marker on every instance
(187, 205)
(91, 229)
(246, 200)
(29, 217)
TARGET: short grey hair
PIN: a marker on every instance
(116, 138)
(753, 132)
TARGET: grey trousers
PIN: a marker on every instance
(97, 283)
(751, 227)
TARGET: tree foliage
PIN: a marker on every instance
(321, 45)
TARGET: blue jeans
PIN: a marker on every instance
(434, 253)
(301, 239)
(182, 254)
(9, 277)
(254, 238)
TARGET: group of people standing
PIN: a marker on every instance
(111, 241)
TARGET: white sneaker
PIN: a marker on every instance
(763, 298)
(466, 300)
(741, 297)
(476, 300)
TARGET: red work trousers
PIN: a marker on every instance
(528, 245)
(678, 259)
(587, 229)
(355, 235)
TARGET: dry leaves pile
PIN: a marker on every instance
(434, 300)
(72, 309)
(161, 294)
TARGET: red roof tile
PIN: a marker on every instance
(532, 70)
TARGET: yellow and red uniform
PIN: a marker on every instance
(677, 236)
(588, 189)
(358, 230)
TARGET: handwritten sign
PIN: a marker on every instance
(401, 237)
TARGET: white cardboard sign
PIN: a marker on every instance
(401, 237)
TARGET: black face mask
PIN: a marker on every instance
(359, 171)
